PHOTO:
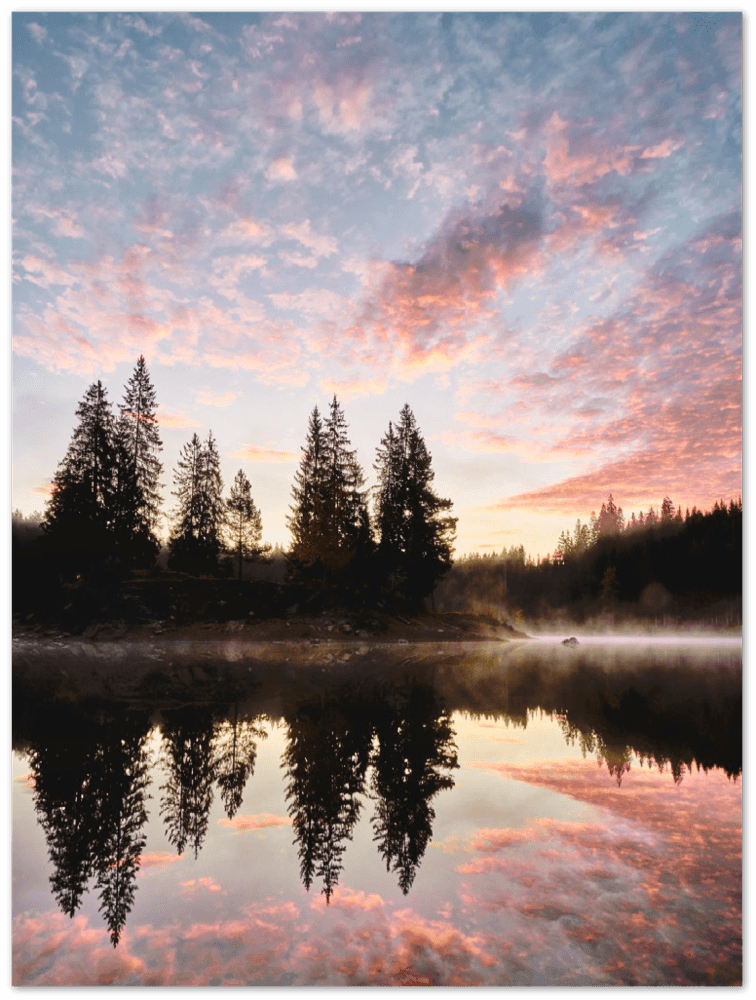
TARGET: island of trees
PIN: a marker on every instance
(351, 547)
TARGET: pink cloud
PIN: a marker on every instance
(242, 231)
(662, 150)
(421, 313)
(158, 859)
(64, 221)
(282, 169)
(208, 398)
(298, 259)
(343, 105)
(168, 419)
(317, 301)
(254, 454)
(354, 388)
(321, 245)
(647, 391)
(200, 885)
(38, 32)
(45, 490)
(575, 160)
(49, 273)
(260, 821)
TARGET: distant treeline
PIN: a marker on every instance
(665, 565)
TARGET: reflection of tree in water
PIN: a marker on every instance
(62, 766)
(327, 750)
(617, 718)
(330, 743)
(188, 793)
(120, 783)
(415, 745)
(90, 789)
(234, 753)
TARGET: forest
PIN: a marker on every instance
(664, 567)
(351, 546)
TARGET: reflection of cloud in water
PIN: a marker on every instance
(247, 823)
(648, 892)
(653, 895)
(158, 859)
(204, 884)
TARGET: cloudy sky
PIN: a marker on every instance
(527, 226)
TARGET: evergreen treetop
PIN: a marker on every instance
(141, 442)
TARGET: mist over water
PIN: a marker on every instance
(693, 642)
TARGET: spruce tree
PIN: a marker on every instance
(244, 522)
(212, 507)
(346, 524)
(415, 529)
(390, 510)
(331, 536)
(141, 445)
(610, 520)
(79, 520)
(306, 521)
(196, 540)
(187, 479)
(131, 536)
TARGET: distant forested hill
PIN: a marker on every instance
(664, 568)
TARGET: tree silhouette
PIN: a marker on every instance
(188, 793)
(326, 757)
(306, 521)
(331, 539)
(610, 520)
(416, 533)
(79, 517)
(120, 781)
(410, 767)
(140, 444)
(244, 522)
(234, 755)
(196, 544)
(64, 798)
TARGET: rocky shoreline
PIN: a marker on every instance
(327, 626)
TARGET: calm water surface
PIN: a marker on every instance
(526, 815)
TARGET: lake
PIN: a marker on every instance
(511, 814)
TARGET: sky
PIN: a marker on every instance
(526, 226)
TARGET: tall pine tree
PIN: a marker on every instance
(196, 539)
(306, 520)
(346, 524)
(331, 537)
(79, 520)
(244, 523)
(416, 532)
(140, 445)
(212, 508)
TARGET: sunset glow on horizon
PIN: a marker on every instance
(526, 226)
